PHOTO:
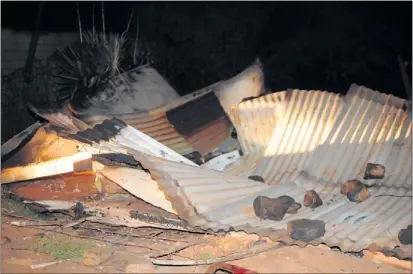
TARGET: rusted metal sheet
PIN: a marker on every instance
(43, 146)
(198, 122)
(62, 188)
(115, 135)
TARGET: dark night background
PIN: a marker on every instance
(305, 45)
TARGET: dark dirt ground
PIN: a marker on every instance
(123, 250)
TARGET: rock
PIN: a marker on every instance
(312, 199)
(293, 209)
(96, 256)
(405, 235)
(272, 209)
(79, 210)
(306, 230)
(256, 178)
(356, 191)
(358, 195)
(144, 267)
(374, 171)
(350, 185)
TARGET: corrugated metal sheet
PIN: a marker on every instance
(318, 130)
(215, 200)
(206, 136)
(255, 120)
(323, 139)
(307, 121)
(371, 128)
(289, 125)
(333, 138)
(115, 135)
(329, 137)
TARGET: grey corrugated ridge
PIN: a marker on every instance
(218, 201)
(308, 118)
(347, 149)
(255, 119)
(351, 226)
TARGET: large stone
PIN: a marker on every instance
(273, 209)
(306, 230)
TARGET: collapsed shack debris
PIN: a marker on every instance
(215, 201)
(192, 125)
(111, 211)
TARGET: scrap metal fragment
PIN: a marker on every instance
(306, 230)
(312, 199)
(405, 235)
(18, 139)
(374, 171)
(49, 168)
(167, 222)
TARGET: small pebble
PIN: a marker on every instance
(350, 185)
(374, 171)
(405, 235)
(355, 190)
(358, 195)
(79, 210)
(256, 178)
(312, 199)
